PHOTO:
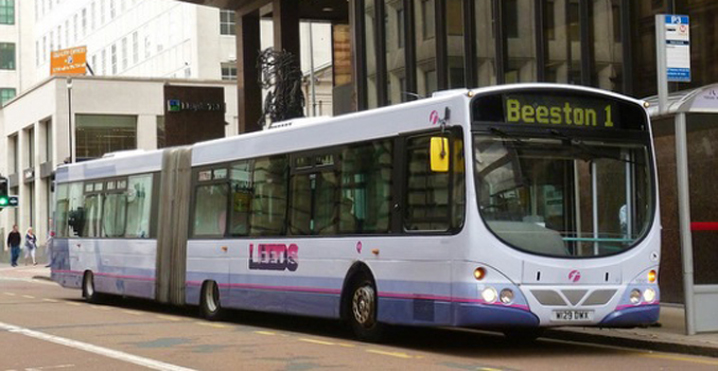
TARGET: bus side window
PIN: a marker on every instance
(210, 204)
(366, 188)
(269, 196)
(139, 202)
(240, 198)
(434, 200)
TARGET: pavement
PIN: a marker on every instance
(668, 335)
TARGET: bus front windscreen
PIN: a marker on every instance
(563, 196)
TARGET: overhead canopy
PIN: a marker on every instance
(703, 99)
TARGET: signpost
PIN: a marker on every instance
(673, 53)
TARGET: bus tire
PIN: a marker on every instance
(523, 335)
(362, 310)
(88, 288)
(210, 307)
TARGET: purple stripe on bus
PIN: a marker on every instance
(622, 307)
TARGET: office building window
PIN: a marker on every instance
(428, 23)
(229, 72)
(67, 33)
(103, 61)
(93, 12)
(75, 23)
(607, 72)
(135, 48)
(84, 22)
(59, 37)
(124, 54)
(7, 11)
(113, 56)
(226, 22)
(6, 94)
(519, 17)
(113, 11)
(400, 25)
(15, 148)
(371, 51)
(102, 12)
(100, 134)
(31, 147)
(7, 56)
(395, 64)
(49, 146)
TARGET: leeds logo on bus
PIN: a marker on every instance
(274, 256)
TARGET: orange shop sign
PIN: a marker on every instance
(69, 61)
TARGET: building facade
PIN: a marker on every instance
(138, 38)
(16, 34)
(108, 114)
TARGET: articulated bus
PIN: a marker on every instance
(513, 208)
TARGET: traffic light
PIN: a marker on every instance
(4, 198)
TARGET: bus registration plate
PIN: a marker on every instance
(572, 315)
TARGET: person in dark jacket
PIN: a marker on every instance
(13, 240)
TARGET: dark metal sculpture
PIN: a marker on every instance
(282, 76)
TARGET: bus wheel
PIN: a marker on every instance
(88, 288)
(209, 305)
(523, 335)
(363, 311)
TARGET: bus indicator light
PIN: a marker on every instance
(652, 276)
(479, 273)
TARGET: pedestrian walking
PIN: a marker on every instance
(13, 241)
(30, 246)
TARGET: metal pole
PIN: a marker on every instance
(69, 117)
(684, 220)
(311, 72)
(661, 65)
(594, 197)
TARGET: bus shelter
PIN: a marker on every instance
(686, 140)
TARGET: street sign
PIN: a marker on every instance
(678, 48)
(13, 201)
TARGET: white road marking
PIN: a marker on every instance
(106, 352)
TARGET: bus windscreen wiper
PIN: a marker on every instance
(586, 150)
(506, 135)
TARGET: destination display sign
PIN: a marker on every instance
(561, 111)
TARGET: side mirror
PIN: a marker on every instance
(439, 154)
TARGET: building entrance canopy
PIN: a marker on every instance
(694, 115)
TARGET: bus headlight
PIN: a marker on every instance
(649, 295)
(507, 296)
(635, 296)
(489, 295)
